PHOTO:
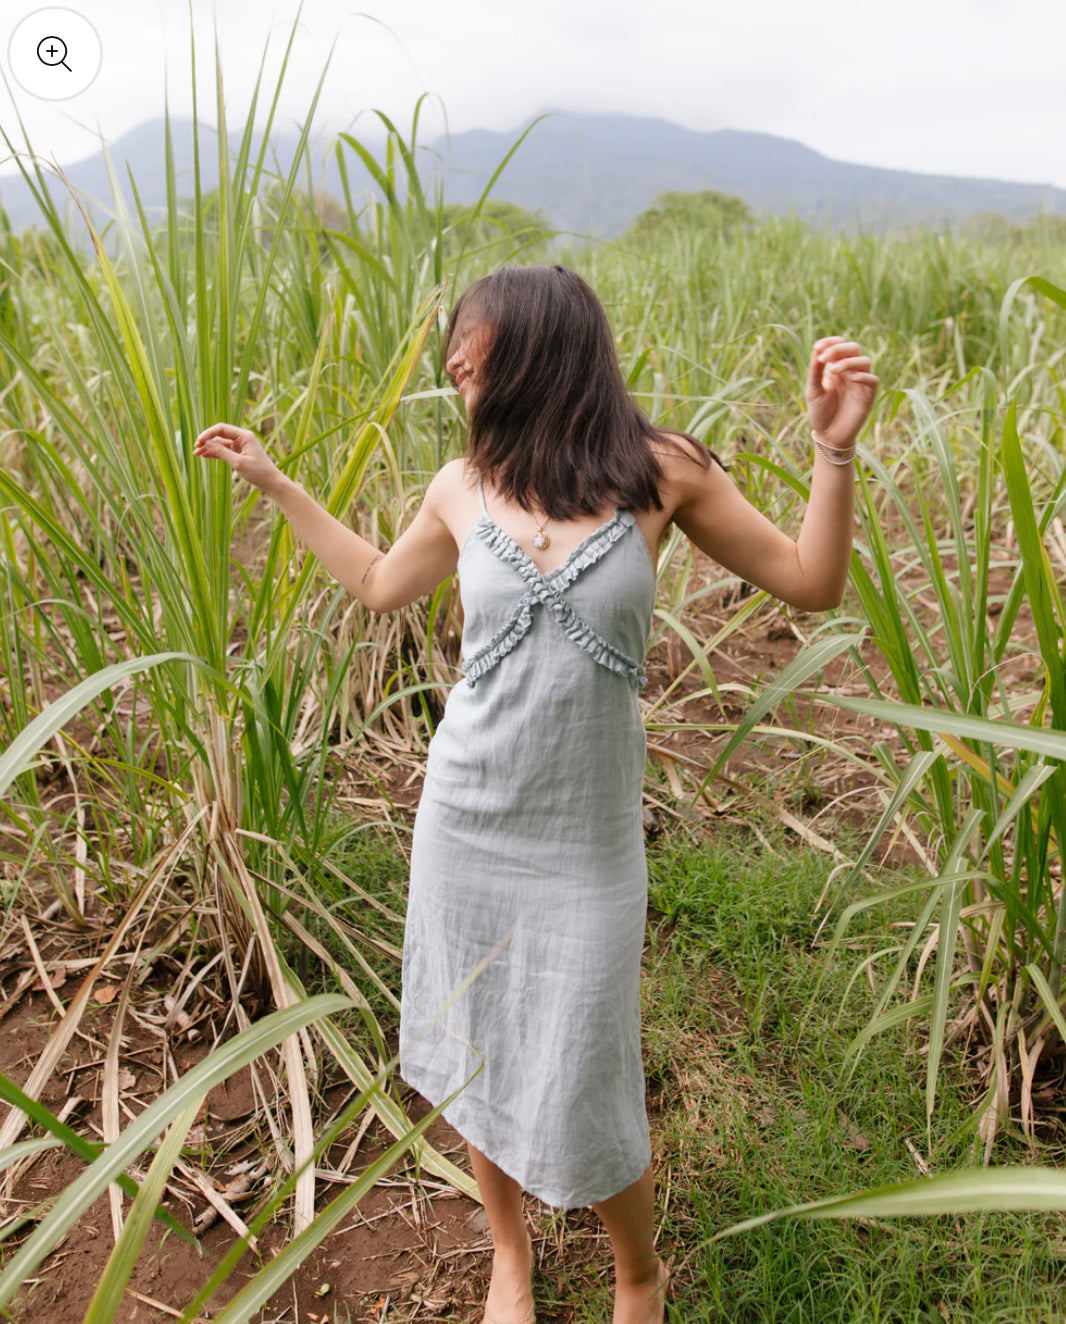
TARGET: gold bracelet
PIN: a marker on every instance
(832, 454)
(837, 450)
(827, 455)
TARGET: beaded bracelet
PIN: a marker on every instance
(839, 457)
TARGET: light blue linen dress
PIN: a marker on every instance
(528, 870)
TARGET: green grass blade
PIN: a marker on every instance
(972, 1190)
(63, 1135)
(1011, 734)
(25, 1148)
(141, 1132)
(807, 661)
(1051, 1005)
(276, 1273)
(13, 760)
(1045, 287)
(886, 1021)
(121, 1262)
(948, 929)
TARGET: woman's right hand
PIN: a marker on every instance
(242, 451)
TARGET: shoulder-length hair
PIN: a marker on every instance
(553, 421)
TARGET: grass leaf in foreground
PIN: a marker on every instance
(142, 1132)
(968, 1191)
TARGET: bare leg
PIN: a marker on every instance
(510, 1297)
(629, 1218)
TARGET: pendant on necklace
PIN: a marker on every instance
(541, 540)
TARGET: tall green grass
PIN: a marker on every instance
(206, 777)
(204, 789)
(961, 484)
(754, 1112)
(982, 776)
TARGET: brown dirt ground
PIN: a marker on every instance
(418, 1250)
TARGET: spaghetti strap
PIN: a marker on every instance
(481, 496)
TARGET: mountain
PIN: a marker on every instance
(595, 173)
(590, 174)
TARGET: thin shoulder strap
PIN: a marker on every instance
(481, 495)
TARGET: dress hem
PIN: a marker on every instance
(556, 1201)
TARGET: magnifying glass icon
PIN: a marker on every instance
(52, 51)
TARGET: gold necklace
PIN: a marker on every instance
(540, 538)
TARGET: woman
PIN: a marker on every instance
(528, 890)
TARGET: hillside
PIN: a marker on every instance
(594, 173)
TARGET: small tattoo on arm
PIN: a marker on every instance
(369, 568)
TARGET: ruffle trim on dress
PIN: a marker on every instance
(544, 588)
(586, 553)
(501, 642)
(590, 551)
(599, 648)
(501, 544)
(576, 629)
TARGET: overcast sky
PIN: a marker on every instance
(961, 87)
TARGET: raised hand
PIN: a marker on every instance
(242, 451)
(840, 390)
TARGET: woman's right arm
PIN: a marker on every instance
(423, 556)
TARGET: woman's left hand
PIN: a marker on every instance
(840, 390)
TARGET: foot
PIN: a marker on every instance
(642, 1300)
(510, 1298)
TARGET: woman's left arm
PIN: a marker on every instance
(811, 571)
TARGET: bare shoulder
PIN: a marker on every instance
(449, 484)
(451, 496)
(686, 475)
(453, 473)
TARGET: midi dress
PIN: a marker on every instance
(527, 900)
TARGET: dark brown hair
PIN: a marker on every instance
(553, 419)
